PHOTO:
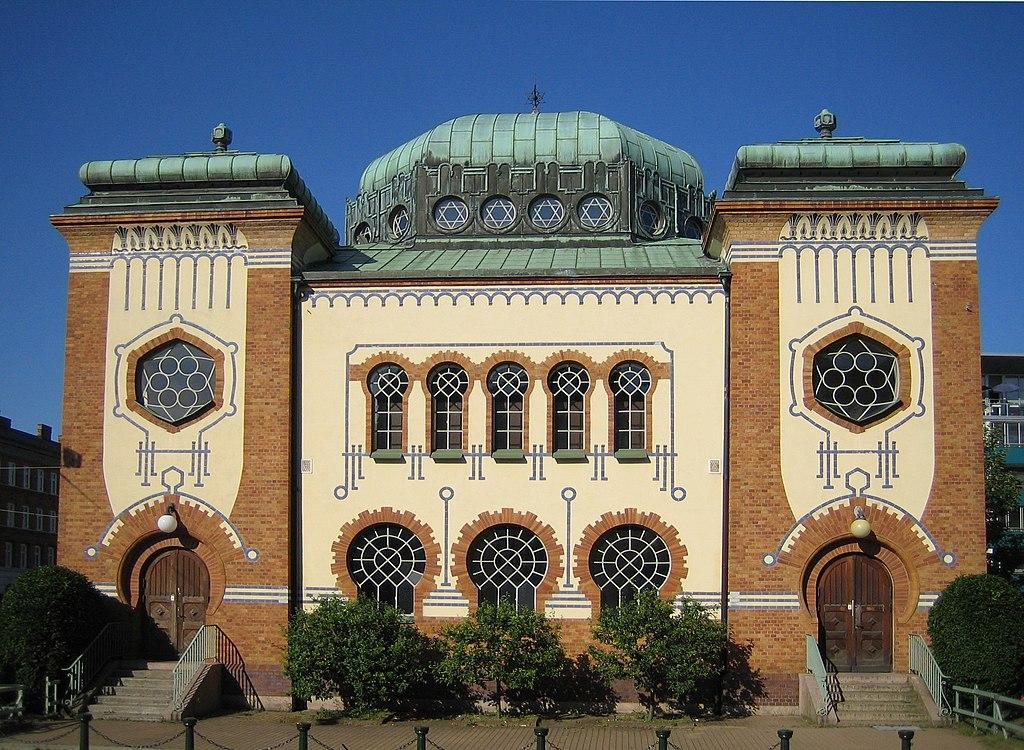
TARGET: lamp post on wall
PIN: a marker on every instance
(168, 522)
(861, 527)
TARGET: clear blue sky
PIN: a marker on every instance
(334, 85)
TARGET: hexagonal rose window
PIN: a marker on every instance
(857, 378)
(175, 382)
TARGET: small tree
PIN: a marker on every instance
(667, 655)
(47, 617)
(1002, 488)
(362, 651)
(977, 632)
(514, 649)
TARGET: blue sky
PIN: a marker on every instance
(335, 84)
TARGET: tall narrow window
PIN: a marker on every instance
(388, 383)
(507, 383)
(8, 554)
(447, 384)
(630, 382)
(569, 383)
(386, 561)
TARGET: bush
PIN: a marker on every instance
(47, 617)
(977, 632)
(517, 650)
(362, 651)
(668, 656)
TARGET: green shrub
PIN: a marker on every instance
(364, 652)
(47, 617)
(977, 632)
(667, 655)
(517, 650)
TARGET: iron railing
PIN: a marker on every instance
(1000, 712)
(923, 664)
(211, 646)
(115, 641)
(816, 666)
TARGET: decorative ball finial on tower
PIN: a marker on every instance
(222, 137)
(825, 122)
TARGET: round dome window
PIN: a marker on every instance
(498, 213)
(399, 222)
(595, 212)
(450, 213)
(547, 212)
(649, 218)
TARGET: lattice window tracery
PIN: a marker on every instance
(447, 384)
(569, 383)
(857, 378)
(386, 561)
(626, 560)
(547, 212)
(175, 382)
(507, 383)
(630, 383)
(388, 383)
(507, 563)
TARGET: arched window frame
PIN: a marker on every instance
(630, 409)
(387, 408)
(370, 557)
(617, 574)
(447, 386)
(508, 408)
(569, 410)
(496, 584)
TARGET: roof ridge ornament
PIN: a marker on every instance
(221, 137)
(535, 98)
(825, 122)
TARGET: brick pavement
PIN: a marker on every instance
(253, 733)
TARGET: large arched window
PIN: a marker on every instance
(507, 563)
(626, 560)
(388, 383)
(447, 384)
(630, 382)
(386, 561)
(507, 383)
(569, 383)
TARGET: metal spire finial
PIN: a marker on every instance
(221, 137)
(825, 122)
(535, 98)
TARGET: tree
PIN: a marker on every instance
(977, 633)
(666, 654)
(516, 649)
(47, 618)
(360, 650)
(1002, 492)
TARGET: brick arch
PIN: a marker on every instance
(470, 531)
(581, 552)
(533, 372)
(137, 541)
(894, 540)
(369, 518)
(361, 373)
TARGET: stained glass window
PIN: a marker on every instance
(175, 382)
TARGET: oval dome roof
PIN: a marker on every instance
(528, 138)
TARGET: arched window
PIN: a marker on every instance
(387, 388)
(626, 560)
(569, 383)
(386, 561)
(630, 382)
(507, 563)
(447, 384)
(507, 383)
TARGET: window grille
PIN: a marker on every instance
(595, 211)
(498, 213)
(447, 384)
(547, 212)
(388, 383)
(626, 560)
(506, 563)
(451, 213)
(630, 383)
(507, 383)
(386, 561)
(569, 383)
(175, 382)
(857, 378)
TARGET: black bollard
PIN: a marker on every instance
(190, 732)
(421, 737)
(906, 738)
(83, 730)
(303, 727)
(542, 737)
(662, 735)
(784, 736)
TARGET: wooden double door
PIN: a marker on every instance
(175, 594)
(855, 614)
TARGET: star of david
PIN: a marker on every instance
(595, 211)
(498, 213)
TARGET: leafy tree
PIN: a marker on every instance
(1002, 488)
(977, 632)
(360, 650)
(667, 655)
(514, 649)
(47, 617)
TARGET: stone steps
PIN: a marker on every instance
(878, 700)
(138, 691)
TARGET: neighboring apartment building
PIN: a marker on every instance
(29, 484)
(1002, 390)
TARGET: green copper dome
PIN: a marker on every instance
(530, 138)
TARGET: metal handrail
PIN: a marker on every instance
(999, 719)
(816, 666)
(114, 641)
(922, 663)
(211, 645)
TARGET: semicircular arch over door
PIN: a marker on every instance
(175, 596)
(855, 617)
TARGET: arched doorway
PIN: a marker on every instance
(854, 596)
(175, 594)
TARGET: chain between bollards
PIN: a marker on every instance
(784, 737)
(83, 730)
(662, 735)
(421, 737)
(542, 737)
(906, 738)
(303, 727)
(190, 733)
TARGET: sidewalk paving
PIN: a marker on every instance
(253, 733)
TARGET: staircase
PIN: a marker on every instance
(138, 690)
(887, 699)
